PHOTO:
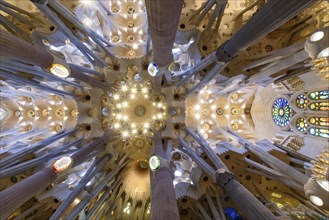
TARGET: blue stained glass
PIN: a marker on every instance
(301, 101)
(232, 214)
(319, 95)
(301, 124)
(322, 132)
(281, 112)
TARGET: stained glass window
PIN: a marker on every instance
(319, 95)
(301, 101)
(322, 121)
(321, 132)
(301, 125)
(319, 106)
(281, 112)
(314, 125)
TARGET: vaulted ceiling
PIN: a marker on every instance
(155, 109)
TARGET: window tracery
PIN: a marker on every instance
(301, 125)
(281, 112)
(301, 101)
(311, 105)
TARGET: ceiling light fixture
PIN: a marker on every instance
(316, 200)
(317, 36)
(154, 163)
(59, 70)
(153, 69)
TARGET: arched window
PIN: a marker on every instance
(322, 121)
(319, 100)
(321, 132)
(319, 95)
(308, 108)
(314, 126)
(319, 106)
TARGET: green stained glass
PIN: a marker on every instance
(281, 112)
(319, 95)
(320, 132)
(301, 124)
(319, 106)
(301, 101)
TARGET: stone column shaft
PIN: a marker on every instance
(86, 150)
(158, 148)
(283, 64)
(14, 47)
(249, 205)
(168, 150)
(12, 159)
(13, 197)
(203, 164)
(207, 78)
(102, 210)
(267, 19)
(21, 167)
(25, 81)
(213, 207)
(271, 16)
(87, 71)
(97, 189)
(75, 73)
(101, 200)
(203, 211)
(29, 211)
(17, 66)
(294, 153)
(220, 208)
(210, 153)
(113, 207)
(279, 164)
(163, 18)
(142, 212)
(164, 204)
(201, 65)
(92, 170)
(163, 197)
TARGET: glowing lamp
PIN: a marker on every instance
(87, 22)
(154, 163)
(59, 70)
(153, 69)
(316, 190)
(316, 200)
(324, 53)
(62, 164)
(324, 184)
(317, 36)
(178, 173)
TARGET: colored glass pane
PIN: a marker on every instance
(320, 132)
(322, 121)
(319, 106)
(301, 124)
(301, 101)
(281, 112)
(319, 95)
